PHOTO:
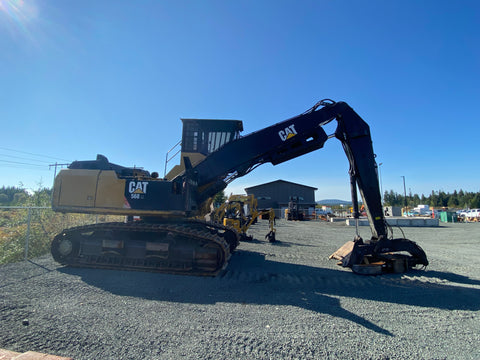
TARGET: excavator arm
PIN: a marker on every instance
(292, 138)
(298, 136)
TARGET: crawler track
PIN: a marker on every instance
(189, 247)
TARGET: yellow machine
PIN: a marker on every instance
(240, 212)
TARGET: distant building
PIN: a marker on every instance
(276, 195)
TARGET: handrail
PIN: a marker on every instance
(167, 159)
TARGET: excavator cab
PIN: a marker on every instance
(201, 137)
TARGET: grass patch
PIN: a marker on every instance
(44, 225)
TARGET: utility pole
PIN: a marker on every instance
(381, 187)
(56, 165)
(405, 193)
(55, 173)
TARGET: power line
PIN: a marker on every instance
(27, 167)
(24, 158)
(21, 163)
(29, 153)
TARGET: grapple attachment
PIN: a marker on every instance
(270, 237)
(381, 256)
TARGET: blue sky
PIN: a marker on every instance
(114, 77)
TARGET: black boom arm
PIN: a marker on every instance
(295, 137)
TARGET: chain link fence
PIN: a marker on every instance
(26, 232)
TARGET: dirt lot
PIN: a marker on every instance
(274, 301)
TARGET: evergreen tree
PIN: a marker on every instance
(219, 199)
(3, 199)
(457, 199)
(475, 202)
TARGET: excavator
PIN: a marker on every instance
(171, 235)
(240, 212)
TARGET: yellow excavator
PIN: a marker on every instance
(170, 238)
(241, 212)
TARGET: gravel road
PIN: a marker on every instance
(274, 301)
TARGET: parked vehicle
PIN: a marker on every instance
(471, 215)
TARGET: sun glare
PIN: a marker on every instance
(17, 14)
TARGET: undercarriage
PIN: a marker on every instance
(187, 247)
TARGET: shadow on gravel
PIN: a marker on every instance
(289, 244)
(450, 277)
(251, 279)
(278, 243)
(13, 276)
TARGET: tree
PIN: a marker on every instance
(4, 198)
(475, 202)
(19, 198)
(415, 200)
(462, 199)
(41, 197)
(433, 199)
(393, 199)
(219, 198)
(453, 201)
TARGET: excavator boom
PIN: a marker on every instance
(295, 137)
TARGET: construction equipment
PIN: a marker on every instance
(240, 212)
(293, 212)
(171, 239)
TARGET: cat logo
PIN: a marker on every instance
(287, 133)
(137, 189)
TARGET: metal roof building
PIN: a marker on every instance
(276, 195)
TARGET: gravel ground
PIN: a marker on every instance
(274, 301)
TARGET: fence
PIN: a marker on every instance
(26, 232)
